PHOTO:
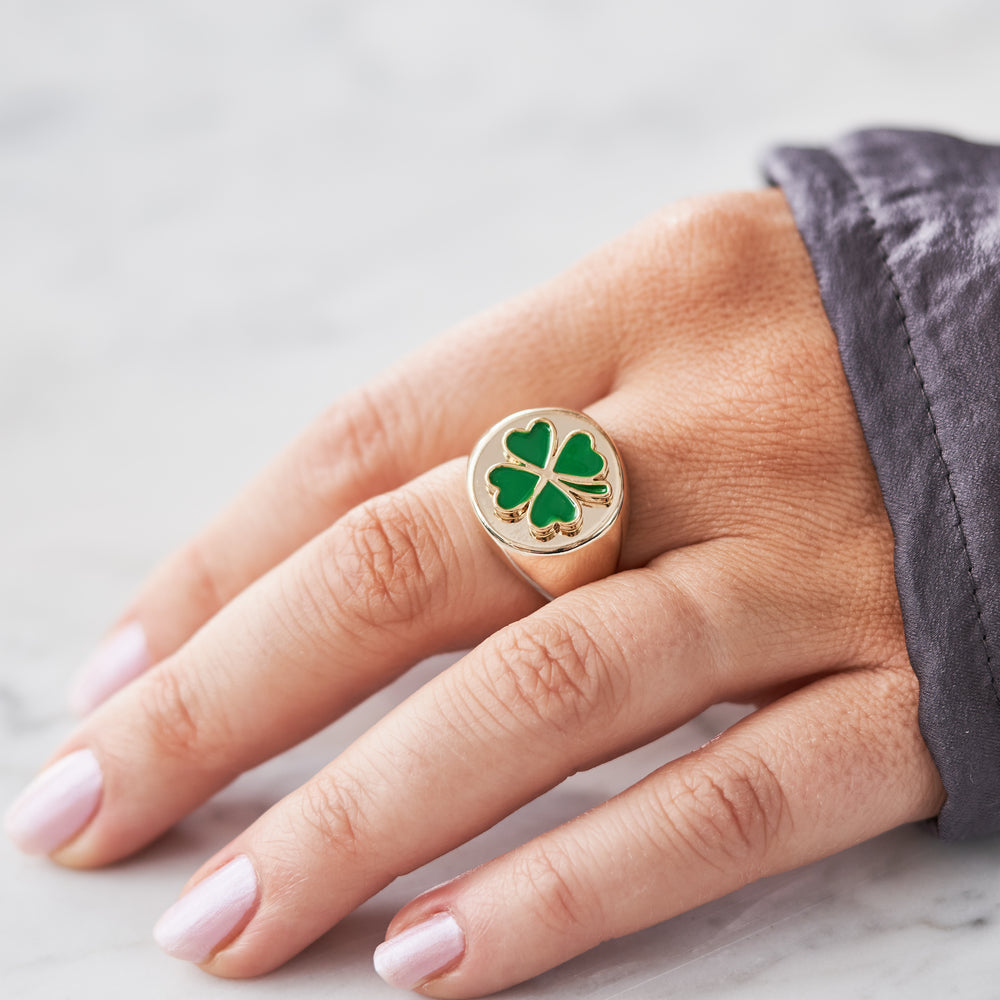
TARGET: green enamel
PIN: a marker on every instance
(552, 505)
(514, 486)
(577, 457)
(594, 489)
(532, 445)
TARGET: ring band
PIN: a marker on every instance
(548, 485)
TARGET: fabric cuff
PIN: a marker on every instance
(903, 229)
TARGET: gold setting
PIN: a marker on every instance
(560, 555)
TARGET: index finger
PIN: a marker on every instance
(425, 410)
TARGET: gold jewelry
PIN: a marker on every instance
(548, 485)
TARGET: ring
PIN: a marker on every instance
(548, 486)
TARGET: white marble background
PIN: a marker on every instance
(215, 217)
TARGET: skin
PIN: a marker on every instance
(757, 567)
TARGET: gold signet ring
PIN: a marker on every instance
(549, 487)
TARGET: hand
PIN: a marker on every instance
(757, 566)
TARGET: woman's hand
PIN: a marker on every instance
(757, 566)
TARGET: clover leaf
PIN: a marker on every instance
(547, 482)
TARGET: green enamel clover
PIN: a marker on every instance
(547, 483)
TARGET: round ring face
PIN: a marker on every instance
(546, 481)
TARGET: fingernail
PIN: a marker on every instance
(120, 658)
(420, 952)
(56, 805)
(207, 915)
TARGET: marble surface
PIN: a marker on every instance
(214, 218)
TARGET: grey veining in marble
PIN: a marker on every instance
(216, 217)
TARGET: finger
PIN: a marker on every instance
(824, 768)
(429, 408)
(400, 577)
(574, 683)
(403, 575)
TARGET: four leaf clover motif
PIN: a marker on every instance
(548, 483)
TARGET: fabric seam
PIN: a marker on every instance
(904, 324)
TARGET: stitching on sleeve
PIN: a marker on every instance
(904, 324)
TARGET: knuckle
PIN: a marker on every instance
(352, 443)
(332, 808)
(557, 671)
(360, 431)
(203, 581)
(557, 900)
(733, 226)
(173, 719)
(730, 813)
(383, 562)
(731, 241)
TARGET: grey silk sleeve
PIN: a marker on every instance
(903, 229)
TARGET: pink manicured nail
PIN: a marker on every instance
(56, 805)
(120, 658)
(419, 952)
(207, 914)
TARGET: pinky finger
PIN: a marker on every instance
(826, 767)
